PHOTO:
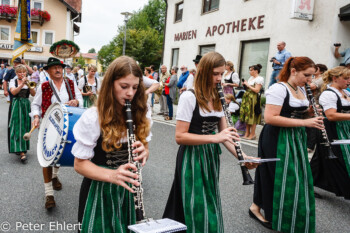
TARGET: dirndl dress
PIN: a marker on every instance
(284, 189)
(19, 121)
(194, 198)
(247, 114)
(333, 175)
(103, 206)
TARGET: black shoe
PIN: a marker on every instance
(265, 224)
(317, 195)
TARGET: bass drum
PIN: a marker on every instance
(56, 139)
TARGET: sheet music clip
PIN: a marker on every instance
(157, 226)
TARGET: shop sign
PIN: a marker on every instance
(32, 49)
(303, 9)
(189, 35)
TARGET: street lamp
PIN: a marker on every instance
(126, 18)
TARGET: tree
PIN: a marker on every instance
(92, 50)
(144, 37)
(81, 61)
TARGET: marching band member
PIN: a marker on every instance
(20, 121)
(89, 85)
(195, 198)
(53, 91)
(333, 175)
(106, 201)
(284, 190)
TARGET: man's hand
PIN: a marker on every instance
(73, 103)
(6, 93)
(36, 122)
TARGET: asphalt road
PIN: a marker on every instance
(22, 190)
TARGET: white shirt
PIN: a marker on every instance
(62, 94)
(233, 107)
(86, 133)
(186, 106)
(276, 94)
(71, 76)
(189, 82)
(328, 99)
(80, 73)
(93, 86)
(258, 80)
(44, 76)
(148, 82)
(12, 83)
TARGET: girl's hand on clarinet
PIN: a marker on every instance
(315, 122)
(123, 175)
(228, 134)
(142, 152)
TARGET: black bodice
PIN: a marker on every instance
(202, 125)
(23, 93)
(111, 159)
(292, 112)
(340, 107)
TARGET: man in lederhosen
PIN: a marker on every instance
(56, 90)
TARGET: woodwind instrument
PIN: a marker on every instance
(325, 142)
(138, 195)
(247, 179)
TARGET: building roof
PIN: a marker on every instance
(87, 55)
(75, 4)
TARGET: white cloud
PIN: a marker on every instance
(100, 21)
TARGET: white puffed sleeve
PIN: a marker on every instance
(233, 107)
(86, 132)
(276, 94)
(328, 100)
(259, 80)
(235, 78)
(186, 106)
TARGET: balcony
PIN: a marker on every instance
(9, 13)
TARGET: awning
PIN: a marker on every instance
(344, 14)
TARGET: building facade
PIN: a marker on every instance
(89, 58)
(46, 29)
(246, 32)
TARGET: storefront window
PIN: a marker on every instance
(4, 33)
(253, 53)
(5, 2)
(35, 37)
(209, 5)
(206, 49)
(48, 38)
(179, 9)
(175, 57)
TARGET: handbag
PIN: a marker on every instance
(257, 107)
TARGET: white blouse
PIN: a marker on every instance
(328, 99)
(257, 80)
(235, 77)
(93, 86)
(13, 84)
(276, 94)
(186, 106)
(87, 131)
(233, 107)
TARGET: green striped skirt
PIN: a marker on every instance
(293, 196)
(200, 188)
(19, 124)
(343, 131)
(108, 208)
(88, 102)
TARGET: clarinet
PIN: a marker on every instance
(247, 179)
(325, 142)
(138, 195)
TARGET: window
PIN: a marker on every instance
(210, 5)
(175, 57)
(49, 37)
(38, 5)
(178, 11)
(5, 2)
(254, 52)
(4, 33)
(35, 36)
(206, 49)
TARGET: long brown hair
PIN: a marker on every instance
(335, 72)
(203, 83)
(298, 63)
(112, 116)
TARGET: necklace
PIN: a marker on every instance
(295, 89)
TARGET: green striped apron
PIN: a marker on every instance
(293, 198)
(343, 131)
(88, 102)
(200, 188)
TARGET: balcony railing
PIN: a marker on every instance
(9, 13)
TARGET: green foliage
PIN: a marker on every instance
(81, 61)
(144, 39)
(92, 50)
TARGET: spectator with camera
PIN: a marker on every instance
(278, 61)
(345, 54)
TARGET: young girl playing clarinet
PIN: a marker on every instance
(195, 198)
(284, 189)
(106, 202)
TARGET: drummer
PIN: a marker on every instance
(60, 90)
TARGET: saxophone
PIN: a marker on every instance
(247, 179)
(138, 195)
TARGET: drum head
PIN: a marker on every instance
(52, 135)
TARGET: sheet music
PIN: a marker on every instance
(158, 226)
(341, 142)
(258, 160)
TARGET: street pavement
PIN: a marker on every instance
(22, 189)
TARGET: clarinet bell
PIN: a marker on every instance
(247, 179)
(331, 154)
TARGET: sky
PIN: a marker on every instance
(100, 21)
